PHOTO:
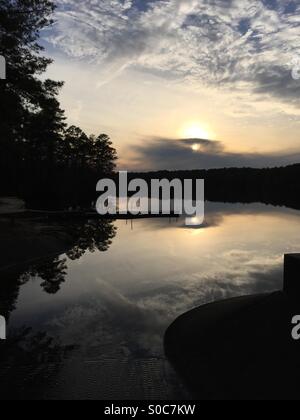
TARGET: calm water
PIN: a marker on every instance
(107, 310)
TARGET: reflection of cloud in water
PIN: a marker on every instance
(110, 318)
(242, 278)
(129, 326)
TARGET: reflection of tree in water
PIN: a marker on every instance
(90, 236)
(52, 273)
(9, 292)
(95, 235)
(27, 361)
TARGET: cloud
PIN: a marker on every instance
(240, 44)
(279, 82)
(167, 154)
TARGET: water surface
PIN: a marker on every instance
(90, 323)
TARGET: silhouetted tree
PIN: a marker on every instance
(104, 156)
(39, 157)
(23, 92)
(78, 151)
(74, 148)
(46, 127)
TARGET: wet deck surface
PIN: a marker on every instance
(105, 378)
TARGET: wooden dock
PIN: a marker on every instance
(81, 214)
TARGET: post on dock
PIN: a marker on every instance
(292, 275)
(2, 328)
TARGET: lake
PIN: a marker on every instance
(90, 324)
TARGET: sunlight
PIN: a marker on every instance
(196, 147)
(195, 131)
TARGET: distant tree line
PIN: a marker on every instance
(276, 186)
(41, 159)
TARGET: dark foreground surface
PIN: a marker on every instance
(240, 348)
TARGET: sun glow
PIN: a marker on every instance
(195, 131)
(196, 147)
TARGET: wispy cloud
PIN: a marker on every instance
(248, 45)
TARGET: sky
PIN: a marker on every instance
(182, 84)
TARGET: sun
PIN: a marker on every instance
(196, 147)
(195, 131)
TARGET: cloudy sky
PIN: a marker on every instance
(156, 75)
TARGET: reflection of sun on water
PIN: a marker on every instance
(194, 221)
(197, 232)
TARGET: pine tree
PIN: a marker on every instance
(25, 98)
(38, 156)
